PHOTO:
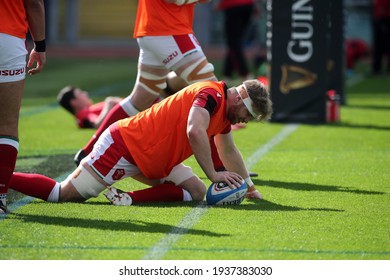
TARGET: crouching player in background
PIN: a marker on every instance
(151, 147)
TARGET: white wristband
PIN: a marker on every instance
(185, 2)
(248, 181)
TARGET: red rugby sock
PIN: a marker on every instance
(8, 156)
(115, 114)
(158, 193)
(34, 185)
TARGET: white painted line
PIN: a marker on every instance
(20, 203)
(167, 242)
(162, 247)
(257, 155)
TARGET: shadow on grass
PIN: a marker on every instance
(298, 186)
(51, 165)
(130, 225)
(359, 126)
(166, 204)
(369, 107)
(266, 205)
(254, 205)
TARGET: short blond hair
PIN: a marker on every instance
(260, 97)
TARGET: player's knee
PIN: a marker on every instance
(174, 83)
(80, 185)
(68, 193)
(198, 194)
(196, 188)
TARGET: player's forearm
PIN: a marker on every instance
(201, 149)
(103, 114)
(230, 155)
(100, 119)
(233, 161)
(35, 12)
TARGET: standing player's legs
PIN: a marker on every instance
(10, 96)
(149, 86)
(174, 84)
(193, 65)
(13, 67)
(377, 47)
(236, 23)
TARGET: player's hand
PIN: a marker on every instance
(38, 58)
(231, 178)
(253, 193)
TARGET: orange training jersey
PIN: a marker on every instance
(158, 18)
(157, 137)
(13, 18)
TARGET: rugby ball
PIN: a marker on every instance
(221, 194)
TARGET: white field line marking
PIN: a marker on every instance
(257, 155)
(162, 247)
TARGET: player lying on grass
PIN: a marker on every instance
(87, 114)
(91, 115)
(151, 147)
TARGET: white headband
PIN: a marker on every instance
(247, 100)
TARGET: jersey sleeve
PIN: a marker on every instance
(227, 129)
(211, 100)
(86, 124)
(85, 119)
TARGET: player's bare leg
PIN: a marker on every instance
(81, 185)
(149, 86)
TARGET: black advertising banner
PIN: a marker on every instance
(336, 61)
(297, 45)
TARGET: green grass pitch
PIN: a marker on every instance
(326, 187)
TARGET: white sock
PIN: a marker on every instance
(186, 196)
(128, 107)
(54, 195)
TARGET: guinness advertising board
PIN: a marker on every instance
(297, 42)
(336, 59)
